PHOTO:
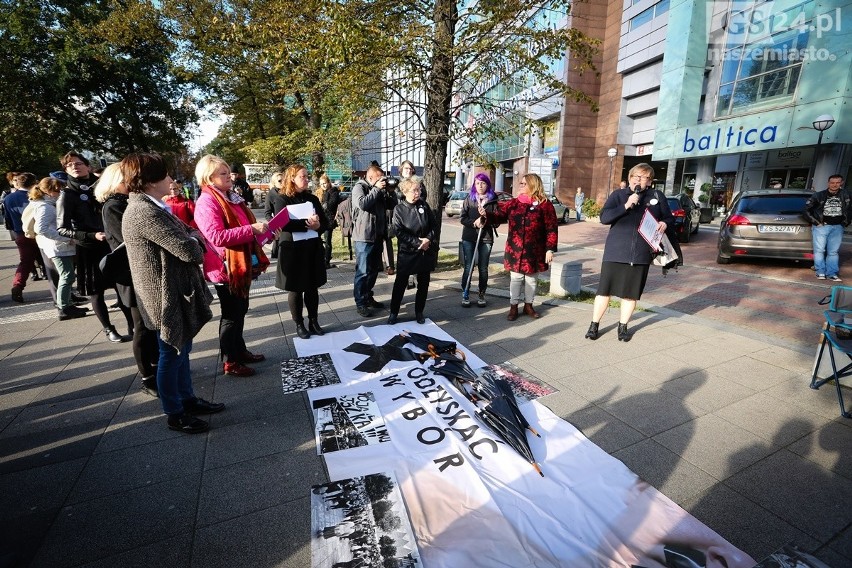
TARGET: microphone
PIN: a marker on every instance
(637, 188)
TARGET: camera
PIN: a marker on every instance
(391, 183)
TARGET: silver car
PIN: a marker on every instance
(454, 204)
(563, 212)
(766, 223)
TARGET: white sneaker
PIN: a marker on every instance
(835, 278)
(820, 276)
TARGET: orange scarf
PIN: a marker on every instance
(238, 259)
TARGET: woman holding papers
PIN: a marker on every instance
(301, 259)
(230, 227)
(627, 254)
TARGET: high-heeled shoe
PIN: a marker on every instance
(623, 334)
(593, 331)
(314, 327)
(301, 331)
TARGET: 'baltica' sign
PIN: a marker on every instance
(726, 140)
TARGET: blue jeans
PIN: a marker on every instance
(827, 239)
(483, 258)
(368, 264)
(174, 382)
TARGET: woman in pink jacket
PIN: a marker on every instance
(230, 227)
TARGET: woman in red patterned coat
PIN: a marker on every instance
(530, 243)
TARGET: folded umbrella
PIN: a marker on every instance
(431, 346)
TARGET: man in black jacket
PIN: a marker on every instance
(829, 211)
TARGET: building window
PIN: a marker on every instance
(646, 16)
(762, 55)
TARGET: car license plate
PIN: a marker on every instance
(777, 229)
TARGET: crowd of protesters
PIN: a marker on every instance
(132, 229)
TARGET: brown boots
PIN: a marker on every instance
(513, 312)
(528, 310)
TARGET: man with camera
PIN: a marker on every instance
(371, 198)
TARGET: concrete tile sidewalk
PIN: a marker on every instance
(718, 418)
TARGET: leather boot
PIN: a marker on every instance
(623, 334)
(301, 331)
(314, 327)
(528, 310)
(593, 331)
(513, 312)
(113, 335)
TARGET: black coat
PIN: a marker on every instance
(113, 214)
(301, 264)
(330, 202)
(470, 213)
(624, 243)
(411, 222)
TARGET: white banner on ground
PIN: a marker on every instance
(474, 501)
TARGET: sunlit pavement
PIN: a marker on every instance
(709, 403)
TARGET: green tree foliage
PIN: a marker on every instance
(290, 75)
(91, 75)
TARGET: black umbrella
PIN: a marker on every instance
(459, 373)
(502, 414)
(431, 346)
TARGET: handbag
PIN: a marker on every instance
(666, 255)
(115, 267)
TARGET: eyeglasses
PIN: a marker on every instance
(75, 165)
(646, 178)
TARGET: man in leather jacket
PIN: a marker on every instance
(829, 211)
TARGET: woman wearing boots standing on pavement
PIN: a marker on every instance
(229, 226)
(301, 262)
(78, 217)
(627, 256)
(530, 243)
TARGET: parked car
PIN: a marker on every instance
(454, 204)
(766, 223)
(563, 212)
(503, 196)
(687, 215)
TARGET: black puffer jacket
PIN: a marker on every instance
(412, 222)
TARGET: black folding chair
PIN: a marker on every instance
(837, 335)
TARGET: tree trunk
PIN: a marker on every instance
(439, 91)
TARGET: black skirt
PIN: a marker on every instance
(627, 281)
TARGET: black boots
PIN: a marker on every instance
(623, 334)
(593, 331)
(113, 335)
(301, 331)
(314, 327)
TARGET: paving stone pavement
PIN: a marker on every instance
(715, 413)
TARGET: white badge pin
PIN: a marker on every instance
(654, 201)
(84, 197)
(421, 210)
(84, 187)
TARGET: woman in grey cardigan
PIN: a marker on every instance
(173, 298)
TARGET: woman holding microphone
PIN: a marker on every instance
(627, 256)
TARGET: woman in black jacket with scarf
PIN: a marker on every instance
(627, 256)
(415, 228)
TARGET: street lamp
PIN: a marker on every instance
(822, 123)
(612, 153)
